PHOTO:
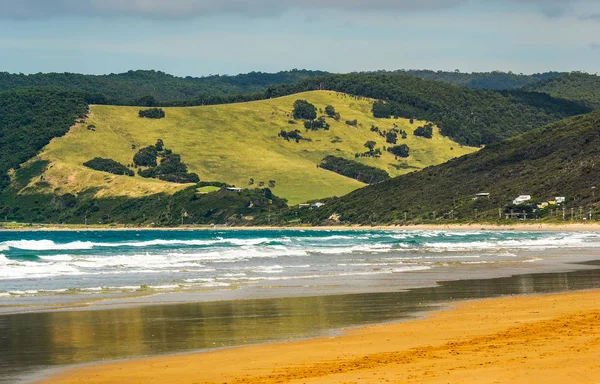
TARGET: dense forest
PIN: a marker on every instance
(495, 80)
(580, 87)
(29, 119)
(561, 159)
(132, 86)
(469, 116)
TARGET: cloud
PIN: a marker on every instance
(168, 9)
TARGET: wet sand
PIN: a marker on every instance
(539, 338)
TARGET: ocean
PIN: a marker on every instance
(93, 262)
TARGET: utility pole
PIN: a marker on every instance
(500, 213)
(571, 213)
(404, 216)
(563, 212)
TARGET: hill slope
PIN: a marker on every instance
(562, 159)
(580, 87)
(130, 86)
(235, 143)
(468, 116)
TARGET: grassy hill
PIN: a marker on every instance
(469, 116)
(580, 87)
(234, 143)
(562, 159)
(127, 87)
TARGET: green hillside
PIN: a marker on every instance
(577, 86)
(126, 88)
(468, 116)
(562, 159)
(235, 143)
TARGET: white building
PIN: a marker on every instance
(559, 200)
(521, 199)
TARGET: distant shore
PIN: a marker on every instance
(408, 227)
(541, 338)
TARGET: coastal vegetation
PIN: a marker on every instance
(577, 86)
(559, 160)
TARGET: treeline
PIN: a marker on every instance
(132, 87)
(355, 170)
(29, 119)
(495, 80)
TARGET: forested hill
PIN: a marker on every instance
(29, 119)
(495, 80)
(468, 116)
(130, 87)
(580, 87)
(562, 159)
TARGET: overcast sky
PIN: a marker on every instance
(202, 37)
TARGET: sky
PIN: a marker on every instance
(203, 37)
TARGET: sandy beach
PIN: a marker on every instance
(540, 338)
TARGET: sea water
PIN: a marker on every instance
(102, 262)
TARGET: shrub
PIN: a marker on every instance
(354, 170)
(352, 123)
(152, 113)
(330, 111)
(146, 157)
(108, 165)
(425, 131)
(399, 150)
(391, 137)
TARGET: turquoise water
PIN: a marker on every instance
(57, 263)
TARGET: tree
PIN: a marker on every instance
(152, 113)
(425, 131)
(304, 110)
(391, 137)
(370, 145)
(146, 101)
(330, 111)
(401, 150)
(160, 145)
(382, 110)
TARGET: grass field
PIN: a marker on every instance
(234, 143)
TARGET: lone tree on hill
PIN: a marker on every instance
(304, 110)
(370, 145)
(330, 111)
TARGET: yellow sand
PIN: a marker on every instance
(533, 339)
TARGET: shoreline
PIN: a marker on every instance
(472, 340)
(533, 227)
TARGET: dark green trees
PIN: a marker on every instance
(354, 170)
(152, 113)
(304, 110)
(425, 131)
(170, 168)
(108, 165)
(401, 150)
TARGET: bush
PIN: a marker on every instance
(352, 123)
(330, 111)
(425, 131)
(152, 113)
(304, 110)
(320, 123)
(108, 165)
(399, 150)
(294, 135)
(391, 137)
(354, 170)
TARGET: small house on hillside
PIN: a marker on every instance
(560, 200)
(318, 205)
(234, 189)
(482, 195)
(521, 199)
